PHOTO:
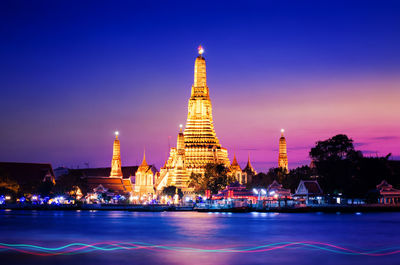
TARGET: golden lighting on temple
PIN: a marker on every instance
(283, 159)
(198, 145)
(116, 159)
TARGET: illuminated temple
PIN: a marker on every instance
(116, 170)
(198, 144)
(283, 159)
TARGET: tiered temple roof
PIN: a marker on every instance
(201, 145)
(249, 168)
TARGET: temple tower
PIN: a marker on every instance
(283, 159)
(180, 176)
(201, 145)
(116, 159)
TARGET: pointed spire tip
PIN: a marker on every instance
(200, 50)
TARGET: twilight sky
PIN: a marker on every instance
(72, 72)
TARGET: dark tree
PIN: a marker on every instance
(214, 179)
(338, 147)
(336, 163)
(293, 178)
(45, 188)
(198, 182)
(69, 184)
(171, 191)
(261, 180)
(289, 179)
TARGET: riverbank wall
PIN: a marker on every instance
(161, 208)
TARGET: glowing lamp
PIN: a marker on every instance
(116, 133)
(282, 130)
(180, 126)
(200, 49)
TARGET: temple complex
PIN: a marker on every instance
(283, 159)
(198, 144)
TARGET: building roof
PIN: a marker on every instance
(112, 184)
(309, 188)
(234, 161)
(127, 172)
(28, 175)
(249, 168)
(234, 165)
(386, 189)
(234, 190)
(278, 189)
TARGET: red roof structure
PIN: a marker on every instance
(389, 195)
(113, 185)
(309, 188)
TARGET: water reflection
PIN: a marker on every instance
(199, 230)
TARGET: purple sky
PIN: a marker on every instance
(71, 75)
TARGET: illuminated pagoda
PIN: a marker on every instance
(115, 184)
(236, 171)
(249, 172)
(198, 145)
(116, 158)
(283, 159)
(144, 178)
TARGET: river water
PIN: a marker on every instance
(117, 237)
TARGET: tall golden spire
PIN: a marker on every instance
(198, 144)
(199, 128)
(116, 159)
(199, 88)
(144, 162)
(248, 161)
(234, 161)
(283, 159)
